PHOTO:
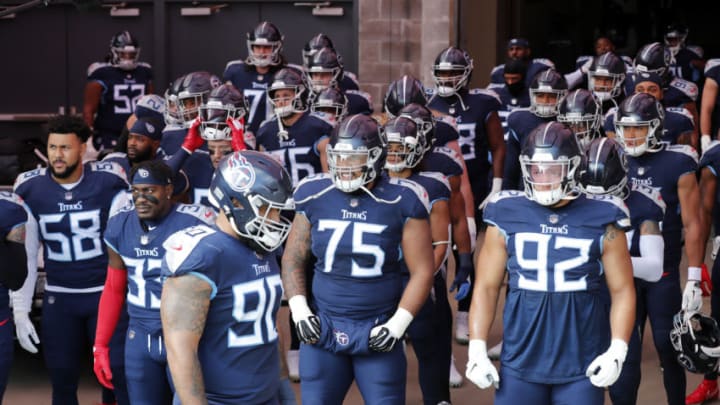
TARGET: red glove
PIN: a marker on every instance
(193, 140)
(237, 128)
(101, 365)
(706, 282)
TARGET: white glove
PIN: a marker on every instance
(692, 295)
(307, 324)
(705, 141)
(496, 187)
(472, 229)
(90, 152)
(25, 331)
(480, 369)
(384, 337)
(606, 368)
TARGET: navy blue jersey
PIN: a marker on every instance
(443, 160)
(12, 215)
(556, 320)
(298, 153)
(348, 81)
(711, 160)
(199, 169)
(677, 121)
(645, 204)
(510, 103)
(676, 94)
(661, 170)
(121, 91)
(681, 65)
(446, 130)
(521, 123)
(142, 250)
(253, 85)
(471, 115)
(359, 102)
(536, 66)
(438, 189)
(357, 241)
(712, 71)
(72, 221)
(238, 350)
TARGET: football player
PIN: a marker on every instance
(709, 165)
(253, 75)
(519, 49)
(686, 61)
(325, 69)
(13, 230)
(348, 80)
(547, 91)
(330, 104)
(134, 238)
(113, 90)
(580, 110)
(606, 75)
(431, 330)
(295, 137)
(353, 220)
(71, 202)
(184, 98)
(481, 138)
(606, 174)
(560, 255)
(671, 169)
(223, 289)
(513, 94)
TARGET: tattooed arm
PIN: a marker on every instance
(183, 308)
(619, 276)
(296, 257)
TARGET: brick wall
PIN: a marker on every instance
(398, 37)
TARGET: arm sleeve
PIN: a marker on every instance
(111, 302)
(22, 298)
(649, 266)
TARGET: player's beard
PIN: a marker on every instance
(69, 170)
(140, 155)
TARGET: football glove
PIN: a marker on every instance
(101, 365)
(193, 141)
(307, 324)
(480, 369)
(25, 331)
(606, 368)
(384, 337)
(462, 276)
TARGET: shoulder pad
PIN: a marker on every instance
(234, 62)
(323, 117)
(447, 119)
(611, 199)
(505, 194)
(272, 118)
(360, 93)
(611, 112)
(652, 193)
(685, 150)
(493, 86)
(697, 50)
(25, 176)
(108, 167)
(682, 111)
(201, 212)
(686, 87)
(438, 177)
(485, 92)
(417, 189)
(12, 197)
(628, 60)
(114, 155)
(543, 61)
(95, 66)
(145, 65)
(350, 75)
(451, 153)
(312, 178)
(180, 244)
(497, 68)
(582, 59)
(711, 64)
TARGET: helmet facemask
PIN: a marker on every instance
(350, 168)
(320, 78)
(449, 79)
(629, 133)
(548, 180)
(584, 126)
(291, 104)
(125, 58)
(603, 90)
(546, 109)
(214, 114)
(263, 59)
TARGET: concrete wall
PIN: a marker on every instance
(398, 37)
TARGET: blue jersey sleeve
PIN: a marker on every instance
(711, 158)
(186, 253)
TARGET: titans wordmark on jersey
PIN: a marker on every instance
(238, 350)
